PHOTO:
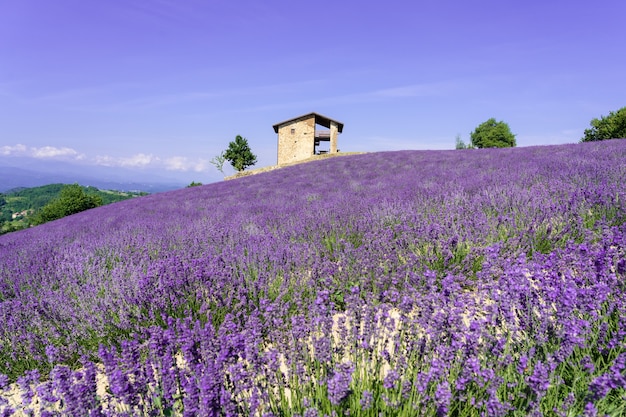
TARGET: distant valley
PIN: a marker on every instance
(26, 172)
(20, 207)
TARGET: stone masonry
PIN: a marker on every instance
(298, 138)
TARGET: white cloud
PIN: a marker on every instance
(139, 160)
(176, 163)
(43, 152)
(13, 150)
(182, 163)
(52, 152)
(105, 160)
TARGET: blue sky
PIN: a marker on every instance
(165, 85)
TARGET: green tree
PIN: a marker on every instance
(7, 227)
(612, 126)
(72, 199)
(492, 134)
(460, 144)
(218, 161)
(239, 154)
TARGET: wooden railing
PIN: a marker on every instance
(322, 134)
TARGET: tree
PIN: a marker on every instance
(460, 144)
(612, 126)
(7, 227)
(72, 199)
(218, 161)
(492, 134)
(239, 154)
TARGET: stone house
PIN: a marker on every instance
(21, 214)
(302, 137)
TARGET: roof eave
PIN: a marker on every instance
(318, 117)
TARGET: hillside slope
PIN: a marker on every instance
(17, 206)
(385, 282)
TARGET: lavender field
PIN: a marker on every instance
(414, 283)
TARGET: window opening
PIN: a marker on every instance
(322, 140)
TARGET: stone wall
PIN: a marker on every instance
(333, 137)
(296, 140)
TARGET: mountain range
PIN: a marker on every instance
(28, 172)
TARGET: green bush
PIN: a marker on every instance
(71, 200)
(492, 134)
(612, 126)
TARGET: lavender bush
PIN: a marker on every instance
(463, 283)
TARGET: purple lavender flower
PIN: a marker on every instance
(191, 397)
(539, 380)
(367, 400)
(338, 385)
(7, 412)
(590, 410)
(120, 386)
(391, 379)
(587, 364)
(322, 349)
(52, 353)
(45, 392)
(443, 395)
(610, 380)
(522, 364)
(531, 253)
(26, 382)
(311, 412)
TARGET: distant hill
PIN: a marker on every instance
(26, 172)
